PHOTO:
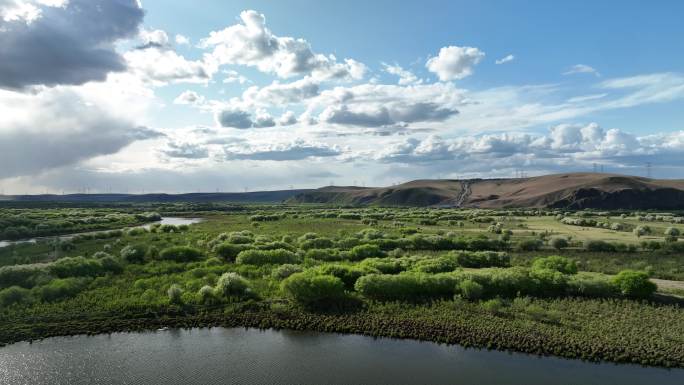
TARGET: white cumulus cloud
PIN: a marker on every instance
(454, 62)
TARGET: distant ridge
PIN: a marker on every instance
(246, 197)
(571, 191)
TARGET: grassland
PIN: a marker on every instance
(479, 278)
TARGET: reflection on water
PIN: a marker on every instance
(175, 221)
(250, 356)
(164, 221)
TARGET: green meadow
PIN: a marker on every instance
(586, 284)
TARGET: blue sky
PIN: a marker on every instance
(618, 38)
(179, 96)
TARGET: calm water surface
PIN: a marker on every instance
(250, 356)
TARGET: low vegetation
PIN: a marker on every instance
(509, 279)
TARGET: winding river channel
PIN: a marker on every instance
(164, 221)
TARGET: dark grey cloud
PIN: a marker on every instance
(235, 119)
(67, 45)
(381, 116)
(241, 119)
(371, 118)
(62, 131)
(422, 112)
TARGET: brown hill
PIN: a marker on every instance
(574, 191)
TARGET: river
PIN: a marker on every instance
(251, 356)
(164, 221)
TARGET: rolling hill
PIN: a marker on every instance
(572, 191)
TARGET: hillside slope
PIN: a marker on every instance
(573, 191)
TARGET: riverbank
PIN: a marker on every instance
(424, 323)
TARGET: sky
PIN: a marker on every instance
(180, 96)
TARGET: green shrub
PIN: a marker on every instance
(213, 261)
(307, 236)
(275, 245)
(239, 238)
(206, 295)
(590, 285)
(134, 253)
(111, 264)
(641, 231)
(14, 294)
(364, 251)
(480, 244)
(231, 285)
(101, 254)
(599, 246)
(530, 245)
(406, 286)
(230, 251)
(548, 282)
(429, 242)
(311, 289)
(283, 271)
(672, 234)
(507, 282)
(316, 243)
(323, 254)
(76, 267)
(388, 243)
(152, 252)
(435, 265)
(482, 259)
(559, 243)
(265, 257)
(470, 290)
(557, 263)
(25, 276)
(494, 306)
(265, 217)
(347, 274)
(383, 265)
(136, 231)
(61, 288)
(634, 284)
(175, 294)
(348, 242)
(181, 254)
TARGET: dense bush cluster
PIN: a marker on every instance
(482, 259)
(313, 289)
(181, 254)
(266, 257)
(549, 277)
(634, 284)
(28, 223)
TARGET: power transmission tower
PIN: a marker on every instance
(648, 170)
